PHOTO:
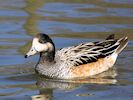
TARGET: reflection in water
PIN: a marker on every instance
(31, 22)
(45, 94)
(47, 85)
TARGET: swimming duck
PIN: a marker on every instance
(74, 62)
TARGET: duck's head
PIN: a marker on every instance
(41, 43)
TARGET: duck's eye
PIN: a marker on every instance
(42, 41)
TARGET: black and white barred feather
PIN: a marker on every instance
(88, 52)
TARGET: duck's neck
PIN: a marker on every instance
(47, 57)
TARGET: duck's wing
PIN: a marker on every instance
(87, 52)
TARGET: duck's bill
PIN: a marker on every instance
(26, 56)
(31, 52)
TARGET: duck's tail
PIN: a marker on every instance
(123, 43)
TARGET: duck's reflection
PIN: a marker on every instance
(45, 94)
(46, 86)
(31, 9)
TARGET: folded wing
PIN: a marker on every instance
(88, 52)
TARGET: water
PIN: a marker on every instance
(71, 22)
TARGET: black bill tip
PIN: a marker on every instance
(25, 56)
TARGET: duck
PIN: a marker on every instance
(75, 62)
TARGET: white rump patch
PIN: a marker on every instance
(114, 56)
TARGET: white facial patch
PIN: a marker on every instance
(41, 47)
(50, 46)
(38, 46)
